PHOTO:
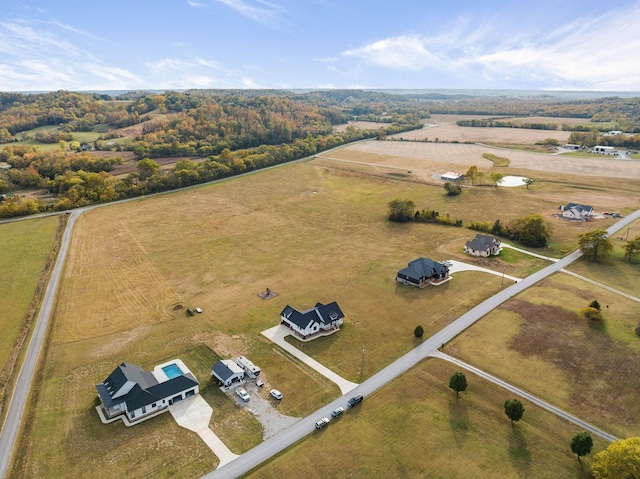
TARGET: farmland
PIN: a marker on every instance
(317, 231)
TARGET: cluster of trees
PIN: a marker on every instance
(592, 138)
(592, 311)
(596, 244)
(475, 175)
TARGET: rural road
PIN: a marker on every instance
(304, 427)
(281, 441)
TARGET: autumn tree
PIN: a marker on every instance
(458, 382)
(621, 460)
(632, 249)
(401, 210)
(496, 177)
(581, 444)
(530, 230)
(452, 189)
(513, 409)
(471, 174)
(594, 244)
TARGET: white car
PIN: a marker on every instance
(322, 423)
(448, 263)
(243, 394)
(275, 394)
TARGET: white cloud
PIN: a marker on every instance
(256, 10)
(579, 55)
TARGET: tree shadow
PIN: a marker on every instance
(459, 420)
(519, 453)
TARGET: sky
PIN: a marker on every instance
(99, 45)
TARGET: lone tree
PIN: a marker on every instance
(458, 382)
(632, 249)
(471, 174)
(496, 177)
(514, 410)
(401, 210)
(594, 244)
(530, 230)
(528, 182)
(595, 304)
(418, 332)
(452, 189)
(620, 460)
(581, 444)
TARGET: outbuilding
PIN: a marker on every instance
(228, 373)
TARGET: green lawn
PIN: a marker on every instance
(415, 427)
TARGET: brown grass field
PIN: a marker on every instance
(317, 231)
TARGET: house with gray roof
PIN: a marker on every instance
(322, 319)
(422, 272)
(135, 393)
(575, 211)
(228, 373)
(483, 245)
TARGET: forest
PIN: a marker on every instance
(57, 149)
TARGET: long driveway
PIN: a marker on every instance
(265, 450)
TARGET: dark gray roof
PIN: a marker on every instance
(481, 242)
(423, 268)
(222, 371)
(320, 313)
(578, 207)
(146, 390)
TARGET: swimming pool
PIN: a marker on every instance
(172, 371)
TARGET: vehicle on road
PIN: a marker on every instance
(448, 263)
(355, 400)
(322, 423)
(275, 394)
(243, 394)
(337, 411)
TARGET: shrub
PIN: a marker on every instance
(591, 313)
(418, 332)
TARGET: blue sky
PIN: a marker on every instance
(177, 44)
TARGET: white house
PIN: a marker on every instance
(228, 373)
(574, 211)
(250, 369)
(319, 319)
(136, 393)
(482, 245)
(613, 133)
(450, 176)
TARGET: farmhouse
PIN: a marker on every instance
(574, 211)
(135, 393)
(422, 272)
(449, 176)
(604, 150)
(228, 373)
(320, 320)
(482, 245)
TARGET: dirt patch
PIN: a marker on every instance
(598, 366)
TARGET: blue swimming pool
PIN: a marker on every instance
(172, 371)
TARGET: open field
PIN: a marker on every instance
(444, 128)
(539, 342)
(414, 427)
(25, 247)
(311, 231)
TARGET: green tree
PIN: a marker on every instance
(595, 304)
(581, 444)
(496, 177)
(471, 174)
(527, 181)
(594, 244)
(418, 332)
(401, 210)
(146, 168)
(458, 382)
(513, 409)
(632, 249)
(452, 189)
(621, 460)
(530, 230)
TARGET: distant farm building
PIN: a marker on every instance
(482, 245)
(571, 146)
(317, 321)
(453, 177)
(613, 133)
(574, 211)
(422, 272)
(604, 150)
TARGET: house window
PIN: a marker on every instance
(133, 414)
(153, 405)
(144, 409)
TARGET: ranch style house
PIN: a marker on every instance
(421, 272)
(483, 245)
(574, 211)
(317, 321)
(135, 393)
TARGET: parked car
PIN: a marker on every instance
(243, 394)
(259, 382)
(355, 400)
(275, 394)
(337, 411)
(322, 423)
(448, 263)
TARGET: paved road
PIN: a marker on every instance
(538, 402)
(304, 427)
